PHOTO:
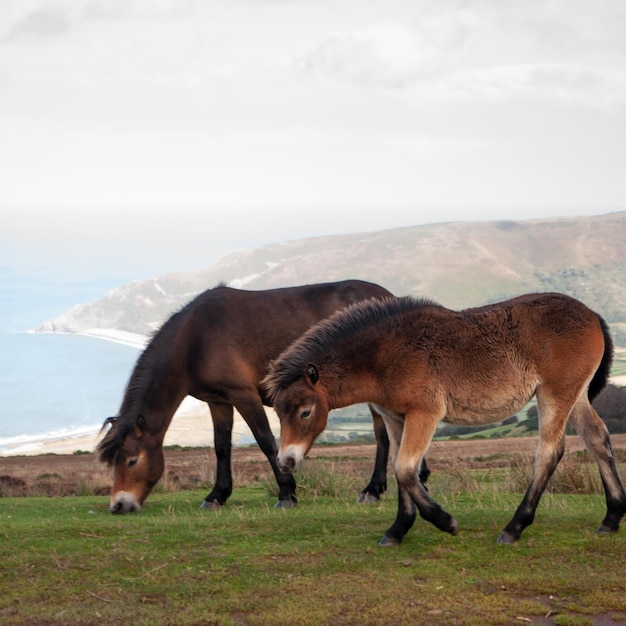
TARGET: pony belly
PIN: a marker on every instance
(486, 414)
(486, 405)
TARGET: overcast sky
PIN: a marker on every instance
(248, 121)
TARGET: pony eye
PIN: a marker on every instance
(305, 414)
(132, 462)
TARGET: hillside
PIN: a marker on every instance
(459, 264)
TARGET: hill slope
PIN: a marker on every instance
(459, 264)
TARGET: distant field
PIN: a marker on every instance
(619, 363)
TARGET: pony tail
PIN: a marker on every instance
(599, 380)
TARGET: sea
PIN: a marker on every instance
(54, 385)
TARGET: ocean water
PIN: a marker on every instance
(52, 384)
(55, 382)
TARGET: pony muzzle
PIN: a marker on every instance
(124, 502)
(290, 460)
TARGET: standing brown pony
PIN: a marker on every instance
(425, 363)
(217, 349)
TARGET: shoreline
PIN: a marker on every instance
(191, 427)
(126, 338)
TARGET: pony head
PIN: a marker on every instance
(303, 412)
(136, 456)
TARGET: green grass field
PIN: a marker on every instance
(69, 561)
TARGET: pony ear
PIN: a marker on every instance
(109, 421)
(312, 374)
(140, 425)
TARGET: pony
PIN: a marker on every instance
(422, 363)
(217, 349)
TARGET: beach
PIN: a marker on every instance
(191, 426)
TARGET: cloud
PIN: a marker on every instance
(50, 19)
(487, 54)
(42, 23)
(582, 87)
(572, 29)
(391, 54)
(384, 55)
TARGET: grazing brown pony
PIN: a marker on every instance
(425, 363)
(217, 349)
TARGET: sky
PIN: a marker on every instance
(175, 131)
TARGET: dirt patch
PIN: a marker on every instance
(81, 474)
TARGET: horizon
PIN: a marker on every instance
(87, 255)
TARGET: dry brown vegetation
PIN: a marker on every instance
(193, 468)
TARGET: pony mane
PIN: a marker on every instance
(313, 346)
(136, 389)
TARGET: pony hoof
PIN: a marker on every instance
(387, 542)
(285, 504)
(605, 530)
(211, 505)
(505, 538)
(367, 498)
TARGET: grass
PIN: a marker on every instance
(68, 561)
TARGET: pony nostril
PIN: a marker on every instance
(287, 465)
(124, 503)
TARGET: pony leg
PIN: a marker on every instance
(252, 411)
(595, 434)
(550, 450)
(222, 415)
(411, 441)
(406, 507)
(378, 482)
